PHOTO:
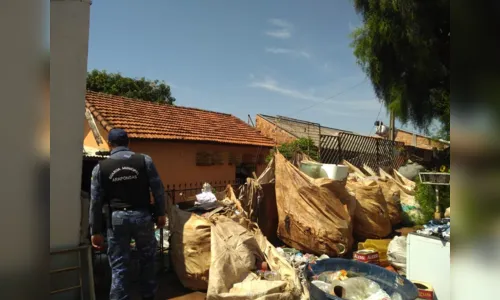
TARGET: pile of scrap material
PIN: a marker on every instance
(310, 215)
(323, 216)
(226, 254)
(397, 191)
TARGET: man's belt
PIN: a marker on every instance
(128, 208)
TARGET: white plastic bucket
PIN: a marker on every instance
(335, 172)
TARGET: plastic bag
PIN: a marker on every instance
(396, 296)
(358, 288)
(325, 287)
(333, 276)
(380, 295)
(166, 237)
(396, 254)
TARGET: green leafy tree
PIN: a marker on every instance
(304, 145)
(404, 48)
(426, 197)
(139, 88)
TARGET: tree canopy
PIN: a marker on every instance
(404, 48)
(139, 88)
(303, 145)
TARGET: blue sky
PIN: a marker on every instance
(286, 57)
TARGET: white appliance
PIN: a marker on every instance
(428, 260)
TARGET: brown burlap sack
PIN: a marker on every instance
(311, 217)
(190, 248)
(403, 180)
(371, 220)
(411, 209)
(392, 196)
(235, 251)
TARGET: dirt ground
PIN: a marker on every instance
(170, 288)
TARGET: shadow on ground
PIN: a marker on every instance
(170, 288)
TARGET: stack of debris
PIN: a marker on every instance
(225, 253)
(230, 251)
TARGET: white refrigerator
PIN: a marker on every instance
(428, 260)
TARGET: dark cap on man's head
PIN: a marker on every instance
(118, 137)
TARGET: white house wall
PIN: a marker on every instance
(69, 33)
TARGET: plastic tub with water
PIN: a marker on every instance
(389, 281)
(311, 169)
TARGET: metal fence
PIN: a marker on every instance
(180, 192)
(359, 150)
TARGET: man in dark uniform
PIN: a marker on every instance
(124, 182)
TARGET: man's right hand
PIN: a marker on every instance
(97, 241)
(161, 221)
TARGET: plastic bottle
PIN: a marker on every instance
(266, 274)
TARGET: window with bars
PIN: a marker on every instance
(218, 159)
(235, 159)
(249, 159)
(204, 158)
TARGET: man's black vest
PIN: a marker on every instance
(125, 182)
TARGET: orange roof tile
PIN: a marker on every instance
(148, 120)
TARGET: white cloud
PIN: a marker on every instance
(271, 85)
(345, 105)
(291, 52)
(280, 23)
(282, 30)
(334, 111)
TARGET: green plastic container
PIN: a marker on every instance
(311, 169)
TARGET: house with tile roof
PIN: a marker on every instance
(283, 129)
(188, 145)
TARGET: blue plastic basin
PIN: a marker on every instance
(389, 281)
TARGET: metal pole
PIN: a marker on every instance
(437, 214)
(392, 126)
(91, 272)
(173, 195)
(162, 251)
(319, 144)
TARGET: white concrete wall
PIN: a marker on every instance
(69, 34)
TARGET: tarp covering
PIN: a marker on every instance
(311, 215)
